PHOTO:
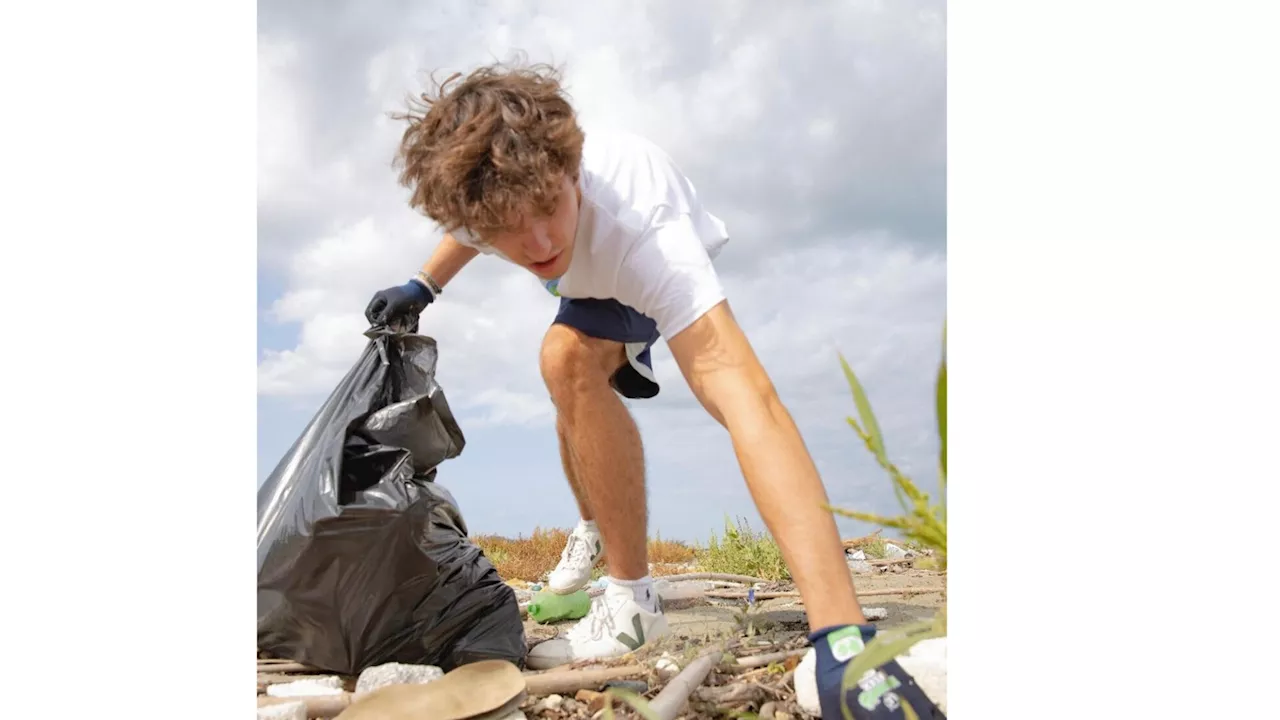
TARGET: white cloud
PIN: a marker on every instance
(818, 134)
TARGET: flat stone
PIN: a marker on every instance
(284, 711)
(875, 613)
(396, 674)
(311, 687)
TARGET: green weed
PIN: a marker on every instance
(922, 523)
(743, 551)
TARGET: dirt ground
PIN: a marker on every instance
(774, 623)
(773, 626)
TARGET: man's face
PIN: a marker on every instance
(542, 244)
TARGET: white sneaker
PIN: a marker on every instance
(577, 560)
(614, 626)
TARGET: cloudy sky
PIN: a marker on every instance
(818, 134)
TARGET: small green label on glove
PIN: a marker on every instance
(845, 643)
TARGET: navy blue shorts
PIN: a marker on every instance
(611, 320)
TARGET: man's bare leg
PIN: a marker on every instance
(604, 448)
(571, 473)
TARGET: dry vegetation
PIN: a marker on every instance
(531, 558)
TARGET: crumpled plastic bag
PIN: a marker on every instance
(363, 558)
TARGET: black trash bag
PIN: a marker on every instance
(362, 558)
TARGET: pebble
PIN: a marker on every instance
(666, 666)
(875, 613)
(396, 674)
(550, 702)
(767, 710)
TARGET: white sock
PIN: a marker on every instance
(645, 593)
(588, 526)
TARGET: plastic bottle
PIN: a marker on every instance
(547, 606)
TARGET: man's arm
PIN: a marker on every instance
(726, 376)
(447, 259)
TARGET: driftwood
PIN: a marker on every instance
(893, 561)
(731, 694)
(727, 577)
(767, 658)
(566, 682)
(738, 595)
(287, 667)
(554, 681)
(671, 700)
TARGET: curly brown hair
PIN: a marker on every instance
(490, 147)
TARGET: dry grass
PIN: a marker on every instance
(531, 558)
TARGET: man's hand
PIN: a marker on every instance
(879, 695)
(398, 305)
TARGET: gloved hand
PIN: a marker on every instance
(398, 305)
(879, 695)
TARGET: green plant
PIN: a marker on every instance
(922, 522)
(743, 551)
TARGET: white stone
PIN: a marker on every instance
(284, 711)
(378, 676)
(666, 666)
(875, 613)
(308, 687)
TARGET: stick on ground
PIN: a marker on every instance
(670, 701)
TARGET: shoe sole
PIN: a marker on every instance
(482, 689)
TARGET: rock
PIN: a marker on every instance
(550, 702)
(666, 666)
(806, 684)
(284, 711)
(396, 674)
(876, 613)
(767, 710)
(310, 687)
(594, 700)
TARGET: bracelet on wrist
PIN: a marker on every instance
(429, 283)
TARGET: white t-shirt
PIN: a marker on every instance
(643, 237)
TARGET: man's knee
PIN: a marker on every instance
(571, 361)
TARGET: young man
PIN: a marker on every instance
(611, 226)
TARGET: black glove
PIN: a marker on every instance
(398, 305)
(879, 695)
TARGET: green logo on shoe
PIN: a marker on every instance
(633, 642)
